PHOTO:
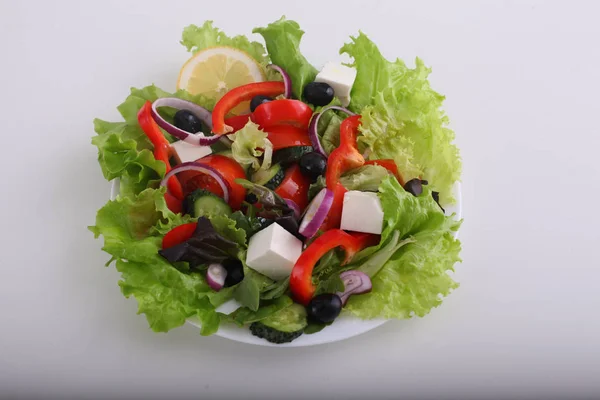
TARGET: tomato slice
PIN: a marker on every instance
(282, 136)
(294, 187)
(178, 235)
(237, 122)
(282, 112)
(228, 168)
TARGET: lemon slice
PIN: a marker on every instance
(214, 71)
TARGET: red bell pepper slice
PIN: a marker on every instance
(294, 186)
(162, 147)
(282, 112)
(237, 122)
(282, 136)
(238, 95)
(178, 235)
(390, 165)
(301, 284)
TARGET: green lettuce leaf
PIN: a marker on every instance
(402, 117)
(366, 178)
(415, 278)
(282, 38)
(250, 143)
(196, 38)
(164, 294)
(125, 152)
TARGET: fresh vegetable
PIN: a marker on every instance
(203, 168)
(269, 178)
(313, 129)
(183, 134)
(282, 136)
(237, 122)
(215, 276)
(162, 147)
(238, 95)
(228, 169)
(290, 155)
(318, 93)
(355, 282)
(390, 165)
(235, 271)
(313, 165)
(301, 284)
(316, 212)
(375, 262)
(282, 112)
(187, 121)
(282, 326)
(367, 178)
(287, 92)
(402, 118)
(249, 144)
(273, 335)
(204, 203)
(294, 186)
(257, 101)
(282, 39)
(179, 235)
(324, 308)
(205, 246)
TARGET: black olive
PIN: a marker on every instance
(436, 197)
(313, 165)
(251, 198)
(187, 121)
(324, 308)
(318, 93)
(235, 272)
(258, 100)
(414, 187)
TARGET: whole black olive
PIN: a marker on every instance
(235, 271)
(318, 93)
(312, 165)
(324, 308)
(258, 100)
(187, 121)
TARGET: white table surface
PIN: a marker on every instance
(522, 82)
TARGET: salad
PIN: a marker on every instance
(292, 192)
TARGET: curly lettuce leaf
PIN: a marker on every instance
(282, 38)
(164, 294)
(402, 117)
(366, 178)
(124, 151)
(196, 38)
(415, 278)
(250, 143)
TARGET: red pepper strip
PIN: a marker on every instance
(301, 278)
(178, 235)
(237, 122)
(390, 165)
(162, 148)
(238, 95)
(342, 159)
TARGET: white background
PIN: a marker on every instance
(522, 81)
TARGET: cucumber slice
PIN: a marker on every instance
(270, 178)
(290, 155)
(203, 203)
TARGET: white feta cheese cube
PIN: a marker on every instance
(273, 252)
(362, 212)
(340, 78)
(186, 152)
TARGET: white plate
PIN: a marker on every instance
(344, 327)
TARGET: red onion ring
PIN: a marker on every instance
(287, 81)
(314, 123)
(215, 276)
(180, 104)
(198, 166)
(315, 213)
(355, 282)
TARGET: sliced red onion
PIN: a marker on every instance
(355, 282)
(287, 81)
(215, 276)
(200, 112)
(198, 166)
(292, 204)
(313, 127)
(315, 213)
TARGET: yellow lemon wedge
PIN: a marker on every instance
(214, 71)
